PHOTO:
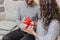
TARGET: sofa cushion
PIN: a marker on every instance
(7, 25)
(11, 9)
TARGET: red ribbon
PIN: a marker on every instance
(28, 22)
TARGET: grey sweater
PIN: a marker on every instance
(50, 34)
(24, 11)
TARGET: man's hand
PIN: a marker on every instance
(30, 30)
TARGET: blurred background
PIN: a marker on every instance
(8, 21)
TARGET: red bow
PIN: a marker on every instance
(28, 22)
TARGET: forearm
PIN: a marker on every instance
(36, 35)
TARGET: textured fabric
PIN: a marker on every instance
(18, 35)
(24, 11)
(51, 33)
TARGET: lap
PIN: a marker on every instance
(28, 37)
(18, 35)
(14, 35)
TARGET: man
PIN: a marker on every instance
(27, 9)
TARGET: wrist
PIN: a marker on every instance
(33, 33)
(36, 35)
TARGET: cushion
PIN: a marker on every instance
(7, 25)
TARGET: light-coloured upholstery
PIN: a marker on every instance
(8, 18)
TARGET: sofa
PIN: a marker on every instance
(8, 18)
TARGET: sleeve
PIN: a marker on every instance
(18, 17)
(52, 33)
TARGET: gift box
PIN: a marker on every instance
(27, 22)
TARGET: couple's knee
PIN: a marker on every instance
(6, 37)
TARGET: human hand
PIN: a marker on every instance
(30, 30)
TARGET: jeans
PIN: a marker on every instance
(18, 35)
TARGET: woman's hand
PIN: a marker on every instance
(29, 30)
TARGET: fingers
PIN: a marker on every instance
(30, 27)
(23, 29)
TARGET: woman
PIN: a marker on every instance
(48, 24)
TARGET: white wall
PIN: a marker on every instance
(58, 1)
(37, 1)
